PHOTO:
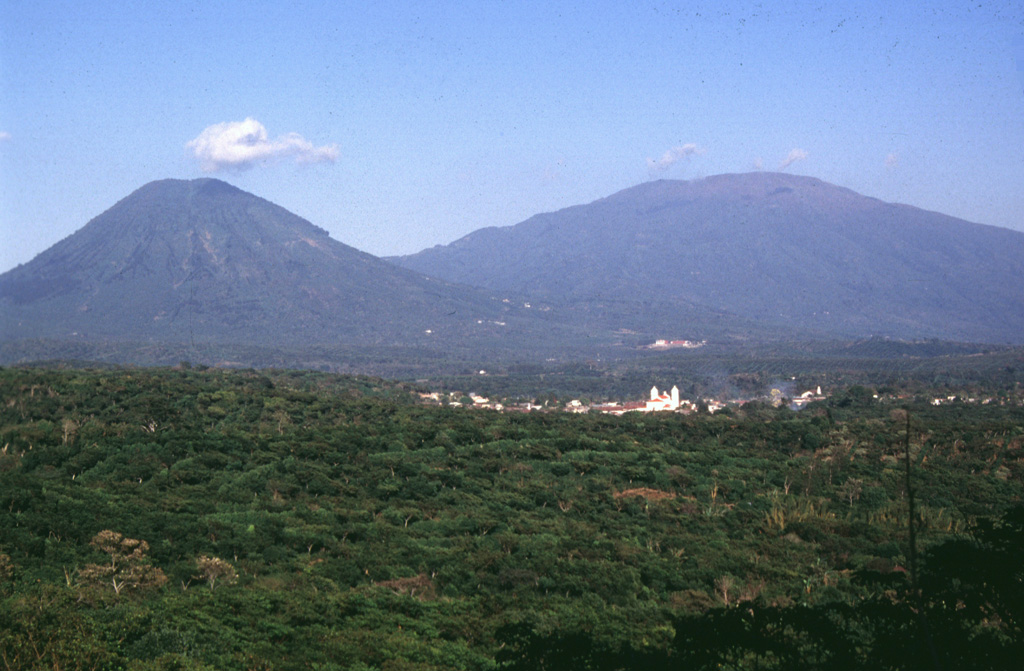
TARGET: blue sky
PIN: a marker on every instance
(400, 125)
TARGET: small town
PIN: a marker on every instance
(657, 401)
(661, 401)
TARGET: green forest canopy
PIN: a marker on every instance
(218, 519)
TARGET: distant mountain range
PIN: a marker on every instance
(779, 249)
(733, 258)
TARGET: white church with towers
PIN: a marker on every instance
(658, 402)
(662, 400)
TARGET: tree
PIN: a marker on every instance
(69, 428)
(851, 489)
(128, 568)
(212, 569)
(6, 572)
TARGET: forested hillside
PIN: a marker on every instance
(186, 519)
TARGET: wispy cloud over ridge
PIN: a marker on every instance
(793, 156)
(240, 145)
(671, 157)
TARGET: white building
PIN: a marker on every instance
(663, 401)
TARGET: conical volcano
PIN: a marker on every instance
(200, 260)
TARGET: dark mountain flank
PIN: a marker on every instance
(202, 261)
(780, 249)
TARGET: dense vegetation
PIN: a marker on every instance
(611, 372)
(185, 519)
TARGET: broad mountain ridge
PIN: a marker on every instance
(200, 260)
(783, 250)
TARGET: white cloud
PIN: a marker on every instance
(758, 164)
(240, 145)
(4, 136)
(671, 157)
(794, 156)
(892, 160)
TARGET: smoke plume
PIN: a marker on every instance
(794, 156)
(671, 157)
